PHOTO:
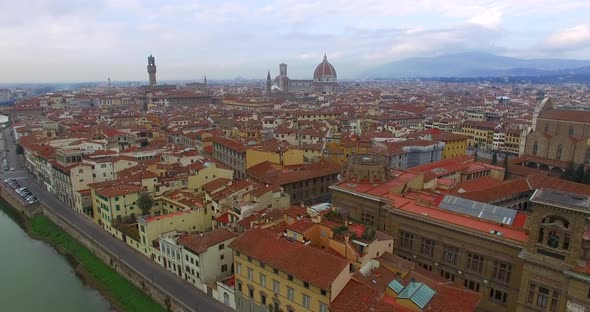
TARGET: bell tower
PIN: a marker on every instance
(151, 68)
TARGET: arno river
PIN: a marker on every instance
(34, 277)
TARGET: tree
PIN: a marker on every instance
(569, 173)
(475, 156)
(586, 179)
(19, 149)
(579, 174)
(145, 202)
(495, 158)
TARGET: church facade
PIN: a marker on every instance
(324, 80)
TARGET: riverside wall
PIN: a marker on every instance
(139, 280)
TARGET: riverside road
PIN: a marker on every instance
(179, 289)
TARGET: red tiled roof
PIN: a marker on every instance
(565, 114)
(199, 243)
(303, 262)
(119, 190)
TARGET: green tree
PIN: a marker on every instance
(586, 179)
(145, 202)
(570, 172)
(495, 158)
(19, 149)
(475, 156)
(580, 174)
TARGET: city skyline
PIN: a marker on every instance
(43, 41)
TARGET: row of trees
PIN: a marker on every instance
(576, 174)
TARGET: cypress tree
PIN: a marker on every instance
(495, 158)
(569, 173)
(580, 174)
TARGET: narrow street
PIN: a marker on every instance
(173, 285)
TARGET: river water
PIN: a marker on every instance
(34, 277)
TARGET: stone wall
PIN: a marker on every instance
(135, 277)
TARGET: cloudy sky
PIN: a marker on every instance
(78, 40)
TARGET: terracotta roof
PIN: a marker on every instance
(566, 115)
(199, 243)
(119, 190)
(303, 262)
(231, 144)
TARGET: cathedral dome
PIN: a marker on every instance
(324, 72)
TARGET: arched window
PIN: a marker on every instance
(546, 127)
(571, 130)
(535, 148)
(559, 148)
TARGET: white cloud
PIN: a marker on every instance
(491, 18)
(571, 38)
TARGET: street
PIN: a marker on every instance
(172, 284)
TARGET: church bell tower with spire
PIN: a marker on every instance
(268, 83)
(151, 68)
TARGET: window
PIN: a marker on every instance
(250, 292)
(368, 218)
(306, 301)
(263, 298)
(450, 255)
(570, 131)
(306, 285)
(559, 149)
(290, 277)
(290, 293)
(262, 280)
(250, 274)
(275, 271)
(587, 157)
(447, 275)
(425, 266)
(502, 271)
(324, 292)
(471, 284)
(276, 286)
(535, 148)
(239, 283)
(224, 268)
(407, 240)
(475, 262)
(249, 259)
(428, 247)
(221, 246)
(498, 295)
(546, 127)
(323, 307)
(239, 268)
(543, 297)
(262, 265)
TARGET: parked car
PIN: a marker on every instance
(14, 185)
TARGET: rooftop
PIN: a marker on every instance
(562, 199)
(309, 264)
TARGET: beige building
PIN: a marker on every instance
(559, 136)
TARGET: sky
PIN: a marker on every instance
(72, 41)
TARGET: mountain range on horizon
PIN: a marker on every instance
(477, 64)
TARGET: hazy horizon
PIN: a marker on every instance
(73, 41)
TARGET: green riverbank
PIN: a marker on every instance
(123, 295)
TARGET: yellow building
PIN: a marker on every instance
(455, 144)
(338, 150)
(205, 172)
(479, 133)
(276, 274)
(177, 200)
(151, 227)
(114, 203)
(276, 152)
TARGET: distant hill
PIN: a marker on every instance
(476, 64)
